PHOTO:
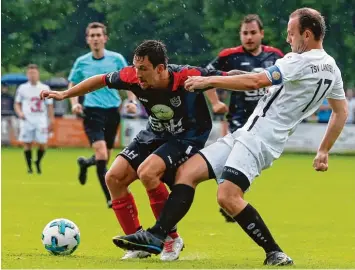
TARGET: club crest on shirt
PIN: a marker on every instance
(175, 101)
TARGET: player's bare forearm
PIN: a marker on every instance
(240, 82)
(243, 82)
(51, 113)
(335, 125)
(73, 100)
(212, 96)
(18, 110)
(89, 85)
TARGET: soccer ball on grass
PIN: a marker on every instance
(61, 237)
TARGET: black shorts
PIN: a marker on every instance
(101, 125)
(174, 152)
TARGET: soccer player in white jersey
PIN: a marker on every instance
(299, 83)
(36, 116)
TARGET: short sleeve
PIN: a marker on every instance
(337, 91)
(75, 75)
(122, 79)
(288, 68)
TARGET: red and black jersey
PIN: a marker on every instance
(242, 103)
(172, 111)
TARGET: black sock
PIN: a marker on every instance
(252, 223)
(91, 161)
(40, 154)
(28, 156)
(175, 208)
(101, 171)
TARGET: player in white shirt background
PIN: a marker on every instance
(299, 83)
(36, 116)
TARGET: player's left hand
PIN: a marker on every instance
(320, 162)
(131, 108)
(220, 107)
(52, 94)
(196, 82)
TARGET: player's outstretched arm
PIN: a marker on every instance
(335, 126)
(243, 82)
(91, 84)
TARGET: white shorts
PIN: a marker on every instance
(30, 132)
(233, 154)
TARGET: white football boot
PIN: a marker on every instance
(135, 254)
(172, 249)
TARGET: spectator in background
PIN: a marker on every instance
(351, 106)
(324, 112)
(7, 102)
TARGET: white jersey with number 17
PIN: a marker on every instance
(300, 84)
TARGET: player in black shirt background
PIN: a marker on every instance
(178, 126)
(250, 56)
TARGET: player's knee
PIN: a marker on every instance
(149, 176)
(115, 181)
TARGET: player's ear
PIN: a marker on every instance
(105, 38)
(160, 68)
(262, 34)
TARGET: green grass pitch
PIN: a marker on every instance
(311, 215)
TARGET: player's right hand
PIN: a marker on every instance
(51, 94)
(77, 108)
(320, 162)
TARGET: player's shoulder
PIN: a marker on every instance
(43, 86)
(230, 51)
(184, 70)
(127, 74)
(23, 86)
(113, 54)
(84, 57)
(274, 50)
(292, 58)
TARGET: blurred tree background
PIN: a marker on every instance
(52, 33)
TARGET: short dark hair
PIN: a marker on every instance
(96, 25)
(312, 20)
(155, 50)
(32, 66)
(251, 18)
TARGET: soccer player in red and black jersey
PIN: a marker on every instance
(179, 125)
(251, 56)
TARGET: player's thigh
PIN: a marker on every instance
(94, 124)
(216, 155)
(112, 122)
(242, 166)
(121, 173)
(194, 171)
(41, 135)
(170, 156)
(27, 132)
(135, 153)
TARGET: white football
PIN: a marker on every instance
(61, 237)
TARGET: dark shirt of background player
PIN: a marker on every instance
(251, 56)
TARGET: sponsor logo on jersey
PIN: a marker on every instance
(175, 101)
(143, 99)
